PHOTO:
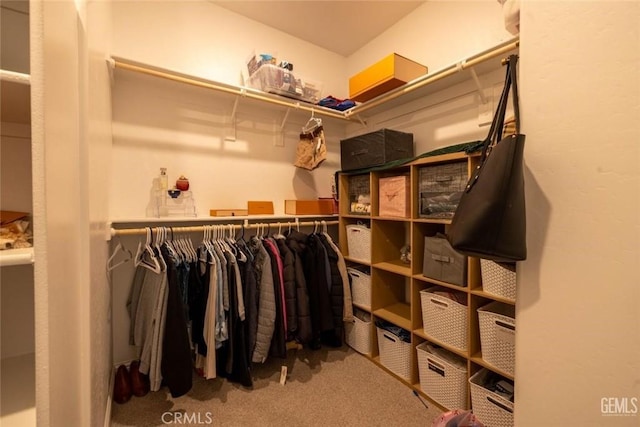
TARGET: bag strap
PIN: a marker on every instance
(498, 119)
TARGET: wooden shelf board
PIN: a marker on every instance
(355, 216)
(477, 359)
(420, 332)
(399, 314)
(356, 260)
(481, 293)
(391, 218)
(396, 266)
(440, 283)
(432, 221)
(362, 307)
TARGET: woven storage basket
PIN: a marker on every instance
(395, 354)
(360, 287)
(498, 279)
(498, 334)
(491, 409)
(444, 319)
(359, 242)
(358, 335)
(441, 379)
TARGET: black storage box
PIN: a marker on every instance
(442, 262)
(375, 149)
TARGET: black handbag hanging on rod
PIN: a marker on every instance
(490, 220)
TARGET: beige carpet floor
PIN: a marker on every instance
(336, 387)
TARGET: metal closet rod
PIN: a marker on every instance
(209, 84)
(202, 228)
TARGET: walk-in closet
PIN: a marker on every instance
(198, 243)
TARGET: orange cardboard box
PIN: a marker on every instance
(389, 73)
(309, 207)
(259, 208)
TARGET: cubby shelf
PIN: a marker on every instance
(396, 286)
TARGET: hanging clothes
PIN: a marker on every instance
(266, 301)
(278, 347)
(176, 364)
(289, 278)
(296, 242)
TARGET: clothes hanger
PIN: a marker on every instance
(148, 257)
(158, 243)
(313, 123)
(118, 249)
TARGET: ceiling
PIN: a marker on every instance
(342, 27)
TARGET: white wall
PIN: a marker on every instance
(97, 98)
(578, 321)
(70, 132)
(438, 34)
(161, 124)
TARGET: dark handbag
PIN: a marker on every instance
(490, 220)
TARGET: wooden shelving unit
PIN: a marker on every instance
(396, 285)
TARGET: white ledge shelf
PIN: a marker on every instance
(15, 97)
(21, 256)
(463, 70)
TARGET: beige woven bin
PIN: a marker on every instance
(499, 279)
(395, 354)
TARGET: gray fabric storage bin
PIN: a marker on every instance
(375, 149)
(442, 262)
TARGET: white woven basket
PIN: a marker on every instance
(498, 279)
(360, 287)
(358, 335)
(498, 334)
(444, 319)
(441, 379)
(359, 242)
(491, 409)
(395, 354)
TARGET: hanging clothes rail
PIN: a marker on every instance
(127, 64)
(201, 228)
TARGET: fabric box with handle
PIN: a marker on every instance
(394, 197)
(441, 188)
(375, 149)
(442, 262)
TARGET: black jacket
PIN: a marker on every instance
(296, 241)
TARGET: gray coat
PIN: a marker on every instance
(266, 300)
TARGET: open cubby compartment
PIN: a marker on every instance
(390, 237)
(391, 297)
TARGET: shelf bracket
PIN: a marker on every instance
(231, 133)
(279, 141)
(362, 122)
(476, 80)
